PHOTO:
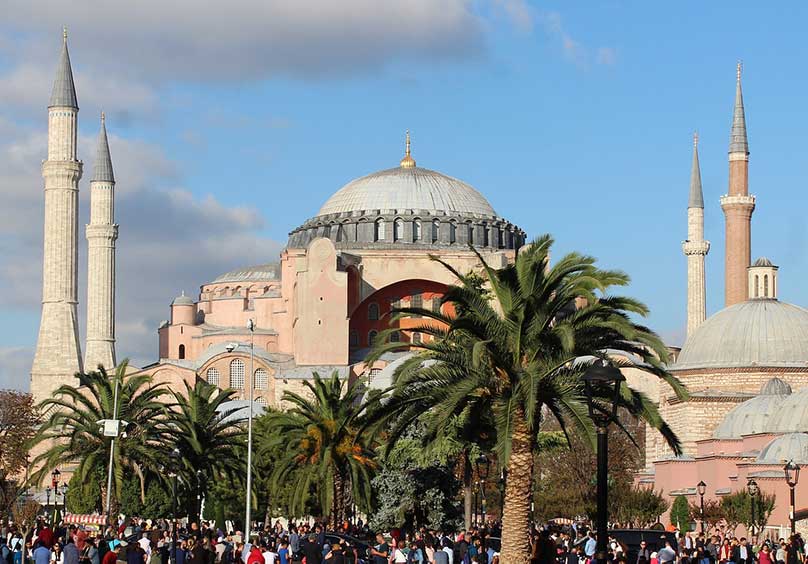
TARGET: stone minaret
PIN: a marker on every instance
(695, 248)
(58, 352)
(738, 206)
(101, 235)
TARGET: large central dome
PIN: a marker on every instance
(408, 207)
(408, 188)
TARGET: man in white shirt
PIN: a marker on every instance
(145, 544)
(269, 555)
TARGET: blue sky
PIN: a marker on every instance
(572, 118)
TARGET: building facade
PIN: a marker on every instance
(322, 305)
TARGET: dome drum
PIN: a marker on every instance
(410, 229)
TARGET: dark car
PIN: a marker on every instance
(654, 540)
(348, 544)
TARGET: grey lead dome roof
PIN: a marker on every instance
(791, 446)
(760, 332)
(408, 188)
(756, 415)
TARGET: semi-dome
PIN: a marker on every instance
(755, 333)
(792, 413)
(756, 415)
(410, 188)
(791, 446)
(269, 271)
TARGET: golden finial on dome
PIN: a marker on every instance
(407, 161)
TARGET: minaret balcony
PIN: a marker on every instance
(739, 201)
(696, 247)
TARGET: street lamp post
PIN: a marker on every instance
(754, 490)
(64, 500)
(792, 472)
(476, 501)
(602, 380)
(702, 489)
(111, 428)
(248, 501)
(483, 467)
(55, 484)
(175, 466)
(47, 498)
(199, 495)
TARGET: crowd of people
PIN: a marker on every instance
(138, 541)
(577, 545)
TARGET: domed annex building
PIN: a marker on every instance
(746, 367)
(322, 305)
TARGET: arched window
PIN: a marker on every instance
(398, 229)
(485, 234)
(373, 311)
(416, 230)
(373, 373)
(212, 376)
(395, 337)
(261, 380)
(261, 401)
(353, 339)
(417, 299)
(182, 352)
(372, 338)
(435, 304)
(416, 338)
(757, 286)
(471, 234)
(237, 374)
(340, 233)
(435, 230)
(378, 230)
(765, 287)
(453, 232)
(327, 231)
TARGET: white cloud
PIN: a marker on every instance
(250, 39)
(573, 49)
(518, 11)
(170, 240)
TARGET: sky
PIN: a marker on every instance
(231, 123)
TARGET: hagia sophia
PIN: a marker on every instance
(322, 304)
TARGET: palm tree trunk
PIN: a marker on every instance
(516, 518)
(467, 493)
(338, 502)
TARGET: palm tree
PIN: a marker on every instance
(520, 355)
(208, 436)
(323, 443)
(73, 437)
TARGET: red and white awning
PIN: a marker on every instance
(85, 519)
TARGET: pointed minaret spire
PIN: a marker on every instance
(64, 91)
(738, 205)
(102, 232)
(102, 169)
(695, 248)
(696, 199)
(737, 137)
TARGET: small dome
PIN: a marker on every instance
(763, 261)
(182, 299)
(753, 416)
(408, 187)
(755, 333)
(775, 387)
(269, 271)
(791, 446)
(792, 413)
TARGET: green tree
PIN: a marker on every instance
(414, 489)
(518, 356)
(210, 440)
(737, 509)
(680, 513)
(73, 437)
(323, 441)
(640, 507)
